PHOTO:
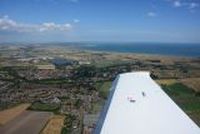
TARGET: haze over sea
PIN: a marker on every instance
(171, 49)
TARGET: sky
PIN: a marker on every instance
(100, 20)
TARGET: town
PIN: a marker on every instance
(75, 83)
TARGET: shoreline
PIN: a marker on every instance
(138, 53)
(135, 54)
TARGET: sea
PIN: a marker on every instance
(169, 49)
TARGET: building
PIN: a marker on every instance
(137, 105)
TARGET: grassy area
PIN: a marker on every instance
(103, 88)
(186, 98)
(178, 90)
(96, 107)
(38, 106)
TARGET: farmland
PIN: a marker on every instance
(185, 98)
(54, 125)
(104, 88)
(28, 122)
(37, 106)
(193, 83)
(9, 114)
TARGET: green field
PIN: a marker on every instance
(186, 98)
(103, 88)
(97, 106)
(38, 106)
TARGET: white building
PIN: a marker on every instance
(137, 105)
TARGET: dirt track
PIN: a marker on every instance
(29, 122)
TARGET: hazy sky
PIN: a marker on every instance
(100, 20)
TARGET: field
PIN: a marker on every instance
(28, 122)
(166, 81)
(193, 83)
(103, 88)
(9, 114)
(38, 106)
(54, 125)
(186, 98)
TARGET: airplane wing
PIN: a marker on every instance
(137, 105)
